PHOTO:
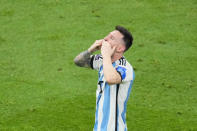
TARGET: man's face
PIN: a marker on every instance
(115, 38)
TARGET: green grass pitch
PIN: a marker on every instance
(42, 90)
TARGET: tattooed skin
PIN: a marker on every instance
(83, 59)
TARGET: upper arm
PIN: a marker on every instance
(96, 62)
(126, 73)
(122, 72)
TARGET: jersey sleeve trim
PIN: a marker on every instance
(91, 61)
(120, 74)
(122, 71)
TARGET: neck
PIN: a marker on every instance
(116, 56)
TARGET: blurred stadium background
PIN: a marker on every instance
(42, 89)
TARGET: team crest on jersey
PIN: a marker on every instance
(122, 71)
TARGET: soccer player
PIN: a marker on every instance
(115, 80)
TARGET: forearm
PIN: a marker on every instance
(83, 59)
(110, 73)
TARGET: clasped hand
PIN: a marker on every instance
(104, 46)
(106, 49)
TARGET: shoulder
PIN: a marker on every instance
(98, 57)
(124, 63)
(125, 68)
(96, 61)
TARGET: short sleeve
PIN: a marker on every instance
(126, 71)
(122, 71)
(96, 62)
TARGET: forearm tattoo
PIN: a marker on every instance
(83, 59)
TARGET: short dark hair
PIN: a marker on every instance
(127, 36)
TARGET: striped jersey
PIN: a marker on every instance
(111, 100)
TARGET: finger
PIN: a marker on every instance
(100, 42)
(103, 42)
(97, 41)
(106, 43)
(114, 48)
